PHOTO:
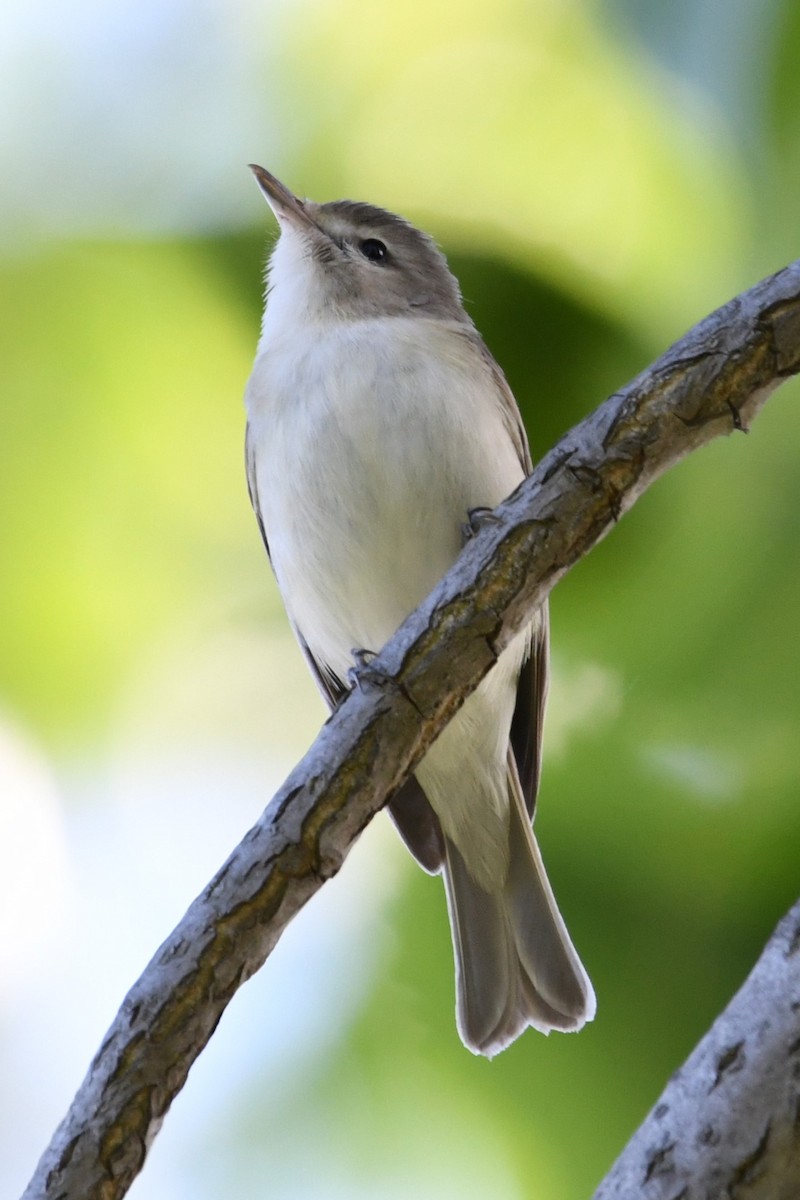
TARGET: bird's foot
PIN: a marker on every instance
(476, 519)
(363, 672)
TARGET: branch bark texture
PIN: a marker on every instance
(727, 1126)
(712, 381)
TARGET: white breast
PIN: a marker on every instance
(372, 441)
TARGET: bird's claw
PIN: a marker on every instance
(362, 671)
(476, 519)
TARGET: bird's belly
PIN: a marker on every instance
(369, 451)
(354, 558)
(367, 465)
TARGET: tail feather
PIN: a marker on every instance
(484, 955)
(547, 957)
(515, 963)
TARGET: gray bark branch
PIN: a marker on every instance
(712, 381)
(728, 1123)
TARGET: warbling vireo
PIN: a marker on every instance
(377, 421)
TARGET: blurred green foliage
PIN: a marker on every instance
(594, 204)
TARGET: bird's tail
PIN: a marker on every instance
(515, 963)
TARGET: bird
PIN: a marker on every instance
(377, 422)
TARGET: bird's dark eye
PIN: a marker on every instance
(374, 250)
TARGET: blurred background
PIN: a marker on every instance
(601, 173)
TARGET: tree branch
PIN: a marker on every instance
(728, 1122)
(713, 380)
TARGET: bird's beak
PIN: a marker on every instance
(286, 206)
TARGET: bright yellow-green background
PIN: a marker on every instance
(601, 175)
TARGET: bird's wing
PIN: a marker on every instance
(252, 484)
(416, 821)
(505, 398)
(528, 721)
